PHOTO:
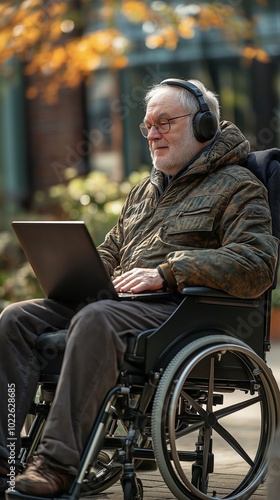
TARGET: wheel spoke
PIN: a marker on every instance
(188, 430)
(194, 404)
(206, 450)
(211, 387)
(208, 429)
(233, 443)
(229, 410)
(196, 425)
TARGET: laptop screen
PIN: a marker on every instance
(65, 260)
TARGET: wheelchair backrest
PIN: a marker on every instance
(265, 165)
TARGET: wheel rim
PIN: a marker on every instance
(215, 424)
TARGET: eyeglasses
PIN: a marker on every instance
(162, 125)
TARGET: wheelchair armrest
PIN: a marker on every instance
(215, 296)
(205, 290)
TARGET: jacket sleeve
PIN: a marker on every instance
(110, 249)
(245, 262)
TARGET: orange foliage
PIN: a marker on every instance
(34, 31)
(186, 27)
(136, 11)
(155, 41)
(260, 55)
(75, 60)
(211, 17)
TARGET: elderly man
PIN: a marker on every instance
(199, 219)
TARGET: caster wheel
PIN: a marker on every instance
(129, 492)
(196, 477)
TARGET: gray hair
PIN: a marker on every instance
(188, 100)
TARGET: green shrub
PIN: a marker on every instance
(94, 199)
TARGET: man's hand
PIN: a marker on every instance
(139, 280)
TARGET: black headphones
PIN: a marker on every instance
(205, 123)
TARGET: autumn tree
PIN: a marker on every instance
(67, 40)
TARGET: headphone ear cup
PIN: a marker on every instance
(204, 126)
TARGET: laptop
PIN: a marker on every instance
(67, 264)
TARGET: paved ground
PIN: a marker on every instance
(154, 486)
(155, 489)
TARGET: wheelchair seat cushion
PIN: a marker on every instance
(50, 348)
(55, 342)
(50, 341)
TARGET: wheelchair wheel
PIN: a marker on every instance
(184, 418)
(129, 492)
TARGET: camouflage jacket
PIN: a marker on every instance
(210, 226)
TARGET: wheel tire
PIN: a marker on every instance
(129, 491)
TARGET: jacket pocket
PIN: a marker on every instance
(190, 223)
(193, 224)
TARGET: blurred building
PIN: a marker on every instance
(95, 126)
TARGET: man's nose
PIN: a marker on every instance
(153, 132)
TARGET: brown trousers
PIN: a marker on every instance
(97, 341)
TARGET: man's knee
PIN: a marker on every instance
(95, 325)
(91, 317)
(16, 319)
(11, 315)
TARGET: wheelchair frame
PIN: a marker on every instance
(170, 383)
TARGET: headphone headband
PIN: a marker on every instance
(204, 122)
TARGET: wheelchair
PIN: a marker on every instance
(184, 394)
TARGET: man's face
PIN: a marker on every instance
(170, 151)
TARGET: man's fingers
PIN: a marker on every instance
(138, 280)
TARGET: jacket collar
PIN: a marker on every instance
(228, 147)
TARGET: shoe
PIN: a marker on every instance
(40, 479)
